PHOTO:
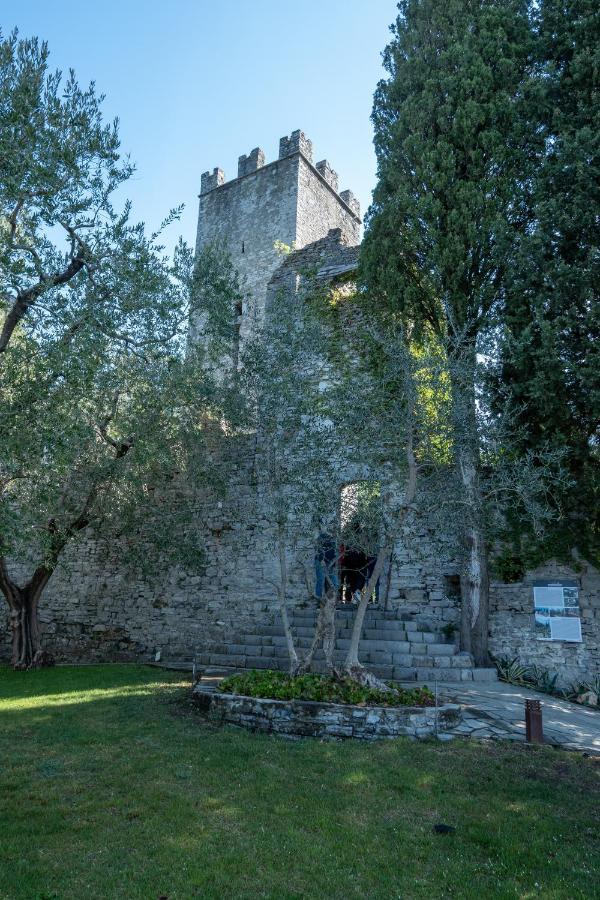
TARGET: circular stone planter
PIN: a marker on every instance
(307, 718)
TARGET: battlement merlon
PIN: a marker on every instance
(208, 181)
(351, 201)
(297, 142)
(251, 163)
(329, 174)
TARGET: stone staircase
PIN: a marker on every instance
(394, 646)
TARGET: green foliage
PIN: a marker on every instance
(511, 670)
(286, 384)
(583, 687)
(217, 304)
(507, 566)
(484, 231)
(103, 413)
(274, 685)
(542, 680)
(549, 358)
(69, 258)
(449, 143)
(515, 672)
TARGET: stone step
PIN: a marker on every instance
(366, 644)
(390, 671)
(370, 658)
(398, 653)
(375, 634)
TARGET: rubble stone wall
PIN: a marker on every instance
(512, 631)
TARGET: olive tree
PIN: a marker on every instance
(102, 410)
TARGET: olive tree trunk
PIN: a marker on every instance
(23, 603)
(324, 632)
(353, 668)
(282, 589)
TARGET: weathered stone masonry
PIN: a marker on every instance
(94, 610)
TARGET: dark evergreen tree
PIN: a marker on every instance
(550, 353)
(452, 147)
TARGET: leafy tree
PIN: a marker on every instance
(284, 379)
(101, 411)
(549, 365)
(65, 250)
(452, 148)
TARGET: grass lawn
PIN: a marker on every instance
(111, 788)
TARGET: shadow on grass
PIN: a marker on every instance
(70, 680)
(124, 797)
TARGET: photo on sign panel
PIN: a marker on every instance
(556, 612)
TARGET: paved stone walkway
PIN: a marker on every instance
(497, 710)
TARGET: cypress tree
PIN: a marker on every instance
(550, 349)
(452, 147)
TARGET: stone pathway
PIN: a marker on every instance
(497, 711)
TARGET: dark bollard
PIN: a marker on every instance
(534, 731)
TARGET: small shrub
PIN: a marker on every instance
(511, 670)
(542, 680)
(272, 685)
(583, 687)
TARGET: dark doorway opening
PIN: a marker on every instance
(360, 538)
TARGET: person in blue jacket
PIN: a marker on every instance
(325, 563)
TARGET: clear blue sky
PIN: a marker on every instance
(196, 83)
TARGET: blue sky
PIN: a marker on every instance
(196, 83)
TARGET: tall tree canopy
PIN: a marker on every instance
(549, 366)
(451, 144)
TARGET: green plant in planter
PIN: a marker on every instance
(583, 687)
(273, 685)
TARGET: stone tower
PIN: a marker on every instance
(291, 200)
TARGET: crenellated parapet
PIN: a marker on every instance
(297, 142)
(296, 145)
(329, 174)
(351, 201)
(251, 163)
(209, 181)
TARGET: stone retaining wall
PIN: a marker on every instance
(307, 718)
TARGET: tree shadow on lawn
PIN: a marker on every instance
(135, 790)
(47, 686)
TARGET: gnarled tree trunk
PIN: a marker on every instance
(23, 603)
(474, 576)
(353, 668)
(324, 633)
(283, 578)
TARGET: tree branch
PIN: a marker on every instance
(27, 298)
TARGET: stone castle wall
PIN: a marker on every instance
(512, 631)
(94, 609)
(290, 201)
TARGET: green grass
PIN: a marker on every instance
(110, 787)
